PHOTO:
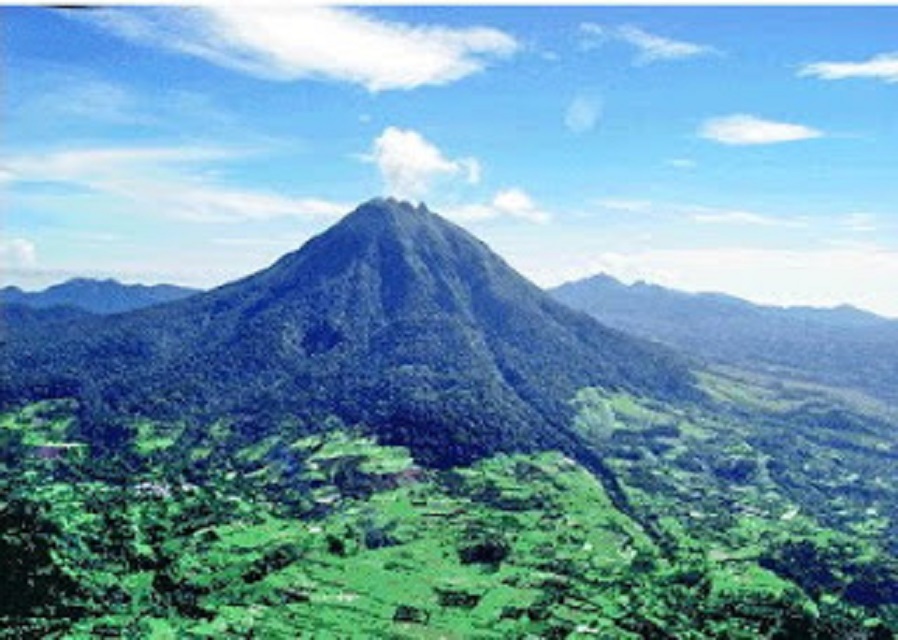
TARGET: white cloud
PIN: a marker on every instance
(582, 114)
(95, 164)
(94, 238)
(682, 163)
(164, 181)
(518, 204)
(714, 216)
(472, 169)
(595, 32)
(17, 253)
(860, 222)
(304, 42)
(506, 203)
(67, 95)
(252, 243)
(217, 204)
(410, 164)
(743, 129)
(628, 205)
(78, 95)
(701, 214)
(651, 47)
(881, 67)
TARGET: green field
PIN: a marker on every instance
(712, 532)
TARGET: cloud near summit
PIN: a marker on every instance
(409, 163)
(320, 43)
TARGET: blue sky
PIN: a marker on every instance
(745, 150)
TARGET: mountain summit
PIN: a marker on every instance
(394, 318)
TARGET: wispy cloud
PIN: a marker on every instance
(507, 203)
(70, 98)
(682, 163)
(582, 114)
(881, 67)
(410, 164)
(17, 253)
(626, 204)
(217, 204)
(166, 181)
(651, 47)
(79, 95)
(717, 216)
(860, 222)
(96, 164)
(255, 243)
(701, 214)
(744, 129)
(287, 43)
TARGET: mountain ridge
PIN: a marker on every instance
(104, 296)
(841, 346)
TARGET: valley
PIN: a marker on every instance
(213, 533)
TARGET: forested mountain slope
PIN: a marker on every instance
(394, 317)
(843, 346)
(96, 296)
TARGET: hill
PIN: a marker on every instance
(95, 296)
(19, 318)
(394, 318)
(843, 347)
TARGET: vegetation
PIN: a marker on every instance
(232, 535)
(843, 347)
(394, 317)
(94, 296)
(391, 434)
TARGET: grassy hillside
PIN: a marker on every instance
(225, 534)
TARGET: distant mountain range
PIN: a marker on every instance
(843, 346)
(95, 296)
(394, 318)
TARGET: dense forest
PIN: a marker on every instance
(842, 346)
(95, 296)
(393, 317)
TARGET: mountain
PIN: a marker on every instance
(96, 296)
(18, 318)
(324, 448)
(843, 346)
(394, 318)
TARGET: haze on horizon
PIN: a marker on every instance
(743, 150)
